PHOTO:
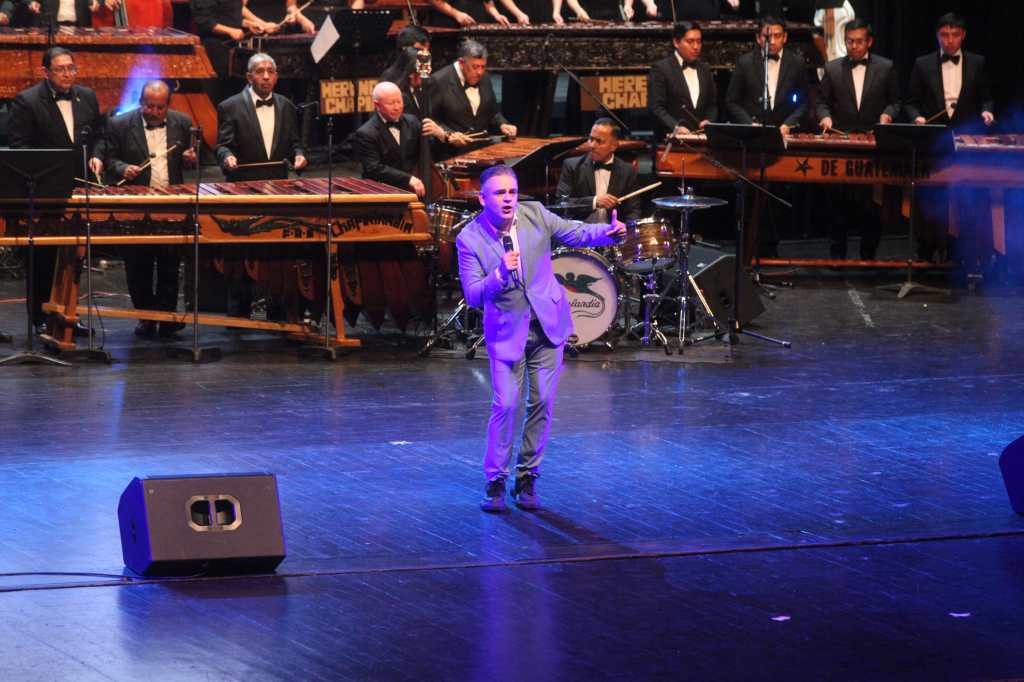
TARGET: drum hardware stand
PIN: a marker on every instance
(31, 179)
(196, 354)
(90, 354)
(454, 327)
(912, 136)
(732, 133)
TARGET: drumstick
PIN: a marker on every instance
(648, 188)
(151, 160)
(89, 182)
(257, 165)
(288, 14)
(479, 133)
(98, 178)
(940, 113)
(836, 131)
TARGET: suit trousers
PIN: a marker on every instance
(541, 365)
(139, 265)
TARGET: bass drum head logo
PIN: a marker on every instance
(592, 292)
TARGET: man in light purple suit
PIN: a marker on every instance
(505, 268)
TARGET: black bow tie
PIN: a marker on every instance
(603, 166)
(857, 62)
(394, 125)
(268, 102)
(955, 58)
(773, 57)
(467, 86)
(689, 65)
(156, 126)
(58, 96)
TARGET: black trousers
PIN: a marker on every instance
(140, 265)
(43, 265)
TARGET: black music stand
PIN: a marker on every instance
(362, 29)
(765, 140)
(935, 141)
(35, 174)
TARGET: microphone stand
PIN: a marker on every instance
(196, 354)
(90, 354)
(583, 87)
(327, 351)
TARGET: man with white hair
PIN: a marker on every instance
(388, 144)
(258, 126)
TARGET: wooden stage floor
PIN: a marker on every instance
(829, 512)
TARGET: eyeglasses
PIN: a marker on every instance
(62, 70)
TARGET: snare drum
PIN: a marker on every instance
(591, 289)
(649, 245)
(447, 221)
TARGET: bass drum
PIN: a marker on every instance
(592, 291)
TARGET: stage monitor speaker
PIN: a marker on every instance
(1011, 463)
(201, 524)
(713, 272)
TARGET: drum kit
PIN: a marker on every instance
(652, 257)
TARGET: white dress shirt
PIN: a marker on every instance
(514, 233)
(267, 119)
(602, 178)
(68, 114)
(692, 82)
(156, 142)
(395, 132)
(859, 72)
(952, 81)
(472, 94)
(773, 78)
(66, 11)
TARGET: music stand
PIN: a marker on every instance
(933, 140)
(364, 28)
(765, 140)
(33, 174)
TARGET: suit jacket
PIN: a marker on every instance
(124, 144)
(743, 99)
(238, 134)
(577, 182)
(927, 98)
(382, 159)
(507, 307)
(36, 122)
(451, 109)
(48, 10)
(668, 95)
(881, 94)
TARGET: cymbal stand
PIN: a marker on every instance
(91, 354)
(686, 281)
(651, 298)
(196, 354)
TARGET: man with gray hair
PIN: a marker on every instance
(258, 126)
(150, 146)
(464, 101)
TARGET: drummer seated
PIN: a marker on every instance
(598, 178)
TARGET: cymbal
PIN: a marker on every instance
(688, 202)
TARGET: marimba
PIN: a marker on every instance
(115, 62)
(270, 219)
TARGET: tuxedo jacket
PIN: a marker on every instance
(881, 94)
(383, 160)
(668, 95)
(48, 10)
(35, 120)
(577, 182)
(927, 98)
(124, 144)
(507, 308)
(239, 135)
(746, 87)
(451, 109)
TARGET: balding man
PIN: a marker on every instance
(257, 126)
(150, 146)
(388, 144)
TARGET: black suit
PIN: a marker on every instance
(124, 144)
(48, 11)
(578, 182)
(746, 87)
(383, 160)
(927, 98)
(36, 123)
(851, 205)
(668, 96)
(451, 107)
(239, 135)
(881, 94)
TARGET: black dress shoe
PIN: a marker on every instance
(145, 329)
(80, 330)
(169, 329)
(494, 497)
(526, 494)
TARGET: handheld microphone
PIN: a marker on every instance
(506, 241)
